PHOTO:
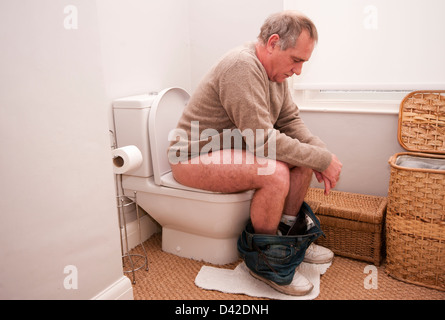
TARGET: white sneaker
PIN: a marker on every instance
(299, 286)
(318, 254)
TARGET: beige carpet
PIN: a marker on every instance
(173, 278)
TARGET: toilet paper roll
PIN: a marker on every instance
(126, 159)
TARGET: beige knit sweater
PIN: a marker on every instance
(237, 94)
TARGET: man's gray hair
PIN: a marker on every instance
(288, 25)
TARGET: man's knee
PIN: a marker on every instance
(280, 178)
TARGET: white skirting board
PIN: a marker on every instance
(120, 290)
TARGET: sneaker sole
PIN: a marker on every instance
(327, 260)
(286, 289)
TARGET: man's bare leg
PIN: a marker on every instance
(270, 190)
(299, 184)
(300, 179)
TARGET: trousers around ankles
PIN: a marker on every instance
(275, 257)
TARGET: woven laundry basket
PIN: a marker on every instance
(352, 223)
(415, 220)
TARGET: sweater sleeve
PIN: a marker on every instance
(244, 91)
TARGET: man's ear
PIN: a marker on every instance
(273, 42)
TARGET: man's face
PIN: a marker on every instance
(284, 64)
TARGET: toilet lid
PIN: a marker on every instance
(165, 112)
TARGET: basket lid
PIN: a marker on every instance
(422, 122)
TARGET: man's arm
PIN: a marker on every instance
(244, 93)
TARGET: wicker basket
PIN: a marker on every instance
(415, 221)
(353, 223)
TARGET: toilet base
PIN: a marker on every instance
(212, 250)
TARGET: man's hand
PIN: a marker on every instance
(331, 175)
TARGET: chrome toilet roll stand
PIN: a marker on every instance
(131, 262)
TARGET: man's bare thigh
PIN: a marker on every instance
(229, 171)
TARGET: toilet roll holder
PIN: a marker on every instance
(131, 262)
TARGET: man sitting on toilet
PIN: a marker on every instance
(247, 92)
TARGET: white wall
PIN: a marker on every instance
(145, 45)
(57, 204)
(363, 143)
(382, 44)
(217, 26)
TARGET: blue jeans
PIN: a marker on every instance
(275, 257)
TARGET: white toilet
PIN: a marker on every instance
(196, 224)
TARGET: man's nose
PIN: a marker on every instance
(297, 69)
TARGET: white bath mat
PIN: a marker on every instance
(239, 281)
